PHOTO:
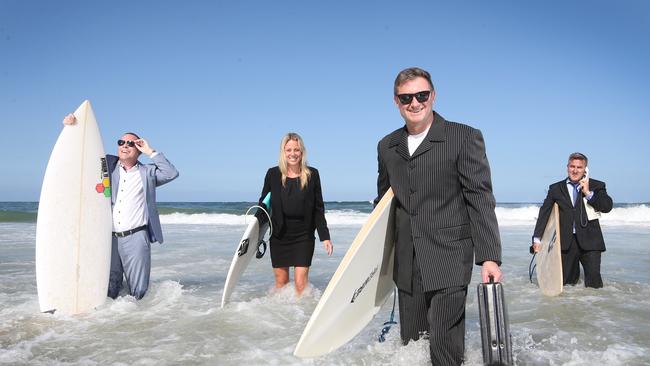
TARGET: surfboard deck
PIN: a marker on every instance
(246, 250)
(358, 288)
(549, 258)
(73, 228)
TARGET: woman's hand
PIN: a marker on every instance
(328, 247)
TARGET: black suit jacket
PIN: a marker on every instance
(444, 204)
(588, 233)
(314, 207)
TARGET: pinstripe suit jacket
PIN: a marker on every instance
(444, 204)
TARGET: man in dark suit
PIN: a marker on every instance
(581, 238)
(444, 218)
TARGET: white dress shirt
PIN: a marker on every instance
(414, 141)
(129, 211)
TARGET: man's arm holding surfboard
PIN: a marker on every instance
(383, 183)
(542, 219)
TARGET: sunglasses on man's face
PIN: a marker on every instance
(421, 97)
(129, 143)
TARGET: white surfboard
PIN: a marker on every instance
(73, 229)
(549, 258)
(246, 250)
(358, 288)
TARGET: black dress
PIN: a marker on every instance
(294, 245)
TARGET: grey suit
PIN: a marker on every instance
(445, 221)
(131, 255)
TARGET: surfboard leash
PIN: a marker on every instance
(259, 253)
(531, 268)
(390, 322)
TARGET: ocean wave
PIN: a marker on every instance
(636, 215)
(351, 214)
(334, 217)
(522, 215)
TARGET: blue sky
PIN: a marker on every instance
(216, 84)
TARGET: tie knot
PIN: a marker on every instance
(576, 192)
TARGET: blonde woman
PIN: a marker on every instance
(297, 210)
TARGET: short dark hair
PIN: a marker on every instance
(132, 133)
(410, 74)
(578, 156)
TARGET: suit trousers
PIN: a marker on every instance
(590, 260)
(130, 258)
(439, 314)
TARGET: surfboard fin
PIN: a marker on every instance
(259, 253)
(243, 248)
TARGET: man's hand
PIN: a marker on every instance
(536, 247)
(69, 120)
(143, 146)
(488, 269)
(584, 185)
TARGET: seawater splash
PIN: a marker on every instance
(180, 321)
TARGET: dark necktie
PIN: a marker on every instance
(576, 193)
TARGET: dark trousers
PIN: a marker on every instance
(590, 260)
(440, 314)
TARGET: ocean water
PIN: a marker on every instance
(180, 322)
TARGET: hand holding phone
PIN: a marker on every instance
(584, 182)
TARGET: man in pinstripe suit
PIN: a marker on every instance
(444, 218)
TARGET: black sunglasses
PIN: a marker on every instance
(421, 97)
(129, 143)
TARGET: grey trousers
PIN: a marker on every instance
(130, 258)
(439, 314)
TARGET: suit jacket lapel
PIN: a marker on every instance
(145, 182)
(400, 141)
(436, 134)
(565, 192)
(115, 180)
